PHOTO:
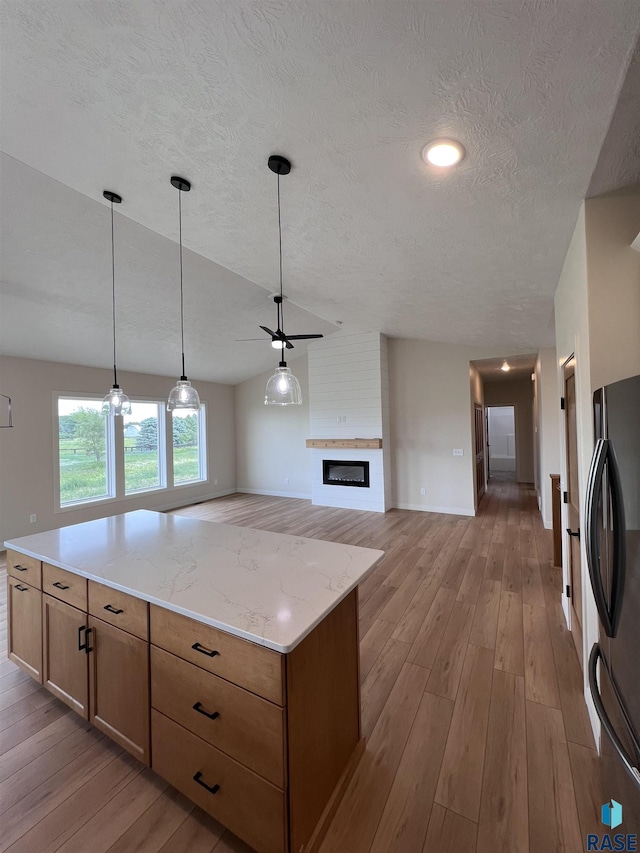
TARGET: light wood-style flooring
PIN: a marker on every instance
(477, 733)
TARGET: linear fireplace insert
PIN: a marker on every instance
(338, 473)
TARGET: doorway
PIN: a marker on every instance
(573, 505)
(501, 442)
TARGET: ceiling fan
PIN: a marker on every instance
(279, 339)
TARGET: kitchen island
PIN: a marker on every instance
(224, 657)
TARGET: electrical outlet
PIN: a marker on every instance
(215, 482)
(33, 518)
(286, 481)
(423, 491)
(458, 451)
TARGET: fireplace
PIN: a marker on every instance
(340, 473)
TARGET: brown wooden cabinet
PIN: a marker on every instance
(66, 642)
(25, 626)
(119, 687)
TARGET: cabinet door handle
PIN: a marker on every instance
(575, 533)
(20, 568)
(87, 647)
(60, 585)
(204, 651)
(82, 645)
(22, 588)
(198, 778)
(198, 707)
(112, 609)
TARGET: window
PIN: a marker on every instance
(95, 464)
(189, 460)
(143, 437)
(84, 451)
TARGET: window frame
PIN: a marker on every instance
(202, 450)
(110, 452)
(163, 462)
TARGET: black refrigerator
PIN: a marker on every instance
(613, 556)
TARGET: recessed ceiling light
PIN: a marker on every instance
(505, 366)
(443, 152)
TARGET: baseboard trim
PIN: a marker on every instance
(269, 493)
(428, 508)
(192, 502)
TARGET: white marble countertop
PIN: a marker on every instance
(269, 588)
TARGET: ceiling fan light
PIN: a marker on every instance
(116, 402)
(276, 344)
(283, 389)
(183, 396)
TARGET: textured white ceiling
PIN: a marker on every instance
(123, 94)
(522, 366)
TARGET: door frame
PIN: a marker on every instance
(566, 577)
(513, 406)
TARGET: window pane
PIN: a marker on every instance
(83, 449)
(186, 448)
(141, 448)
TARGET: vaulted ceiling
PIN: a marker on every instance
(121, 95)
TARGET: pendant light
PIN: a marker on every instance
(116, 402)
(183, 396)
(283, 389)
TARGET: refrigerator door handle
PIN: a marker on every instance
(595, 655)
(619, 539)
(594, 489)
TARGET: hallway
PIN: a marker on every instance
(477, 733)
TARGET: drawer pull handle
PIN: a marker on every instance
(20, 568)
(22, 588)
(198, 778)
(112, 609)
(198, 707)
(60, 585)
(204, 651)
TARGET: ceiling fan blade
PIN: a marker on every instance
(289, 344)
(302, 337)
(244, 340)
(269, 332)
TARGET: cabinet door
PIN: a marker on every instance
(25, 627)
(65, 659)
(119, 687)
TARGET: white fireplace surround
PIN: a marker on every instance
(349, 399)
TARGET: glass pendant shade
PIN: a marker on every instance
(183, 397)
(283, 389)
(116, 402)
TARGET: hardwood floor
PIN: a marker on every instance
(477, 733)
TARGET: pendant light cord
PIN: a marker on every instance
(113, 297)
(281, 303)
(181, 290)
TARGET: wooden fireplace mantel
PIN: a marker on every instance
(345, 443)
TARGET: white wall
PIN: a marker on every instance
(430, 416)
(517, 393)
(613, 269)
(572, 337)
(271, 440)
(548, 436)
(27, 451)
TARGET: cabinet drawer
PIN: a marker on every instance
(119, 609)
(246, 727)
(64, 585)
(258, 669)
(249, 806)
(24, 568)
